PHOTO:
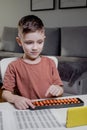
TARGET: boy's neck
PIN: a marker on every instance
(31, 61)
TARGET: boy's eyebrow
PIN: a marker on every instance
(28, 41)
(40, 39)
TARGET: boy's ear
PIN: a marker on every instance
(18, 41)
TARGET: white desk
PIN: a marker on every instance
(60, 115)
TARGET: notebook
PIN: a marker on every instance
(76, 116)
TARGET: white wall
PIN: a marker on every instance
(63, 17)
(12, 10)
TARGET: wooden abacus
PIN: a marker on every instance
(58, 103)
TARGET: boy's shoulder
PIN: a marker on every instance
(15, 61)
(51, 59)
(48, 59)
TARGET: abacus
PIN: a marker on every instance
(57, 103)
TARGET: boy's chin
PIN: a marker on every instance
(33, 58)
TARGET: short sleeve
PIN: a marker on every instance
(9, 79)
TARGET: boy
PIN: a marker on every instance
(32, 76)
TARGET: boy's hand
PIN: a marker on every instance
(22, 103)
(54, 90)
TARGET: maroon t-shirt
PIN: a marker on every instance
(31, 80)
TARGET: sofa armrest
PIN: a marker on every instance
(71, 68)
(4, 54)
(71, 59)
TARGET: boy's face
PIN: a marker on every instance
(32, 44)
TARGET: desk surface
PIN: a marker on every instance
(60, 114)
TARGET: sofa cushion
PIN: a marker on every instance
(51, 46)
(71, 71)
(74, 41)
(8, 40)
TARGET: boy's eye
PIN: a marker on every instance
(40, 42)
(28, 42)
(32, 42)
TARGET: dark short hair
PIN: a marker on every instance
(30, 23)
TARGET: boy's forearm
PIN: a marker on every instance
(20, 102)
(8, 96)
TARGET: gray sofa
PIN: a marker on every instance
(67, 44)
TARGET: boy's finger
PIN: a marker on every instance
(47, 92)
(30, 104)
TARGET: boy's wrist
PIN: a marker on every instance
(13, 98)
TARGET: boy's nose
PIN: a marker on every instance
(34, 46)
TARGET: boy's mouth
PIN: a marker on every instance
(34, 53)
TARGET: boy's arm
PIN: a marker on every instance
(19, 101)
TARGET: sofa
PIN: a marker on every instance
(67, 44)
